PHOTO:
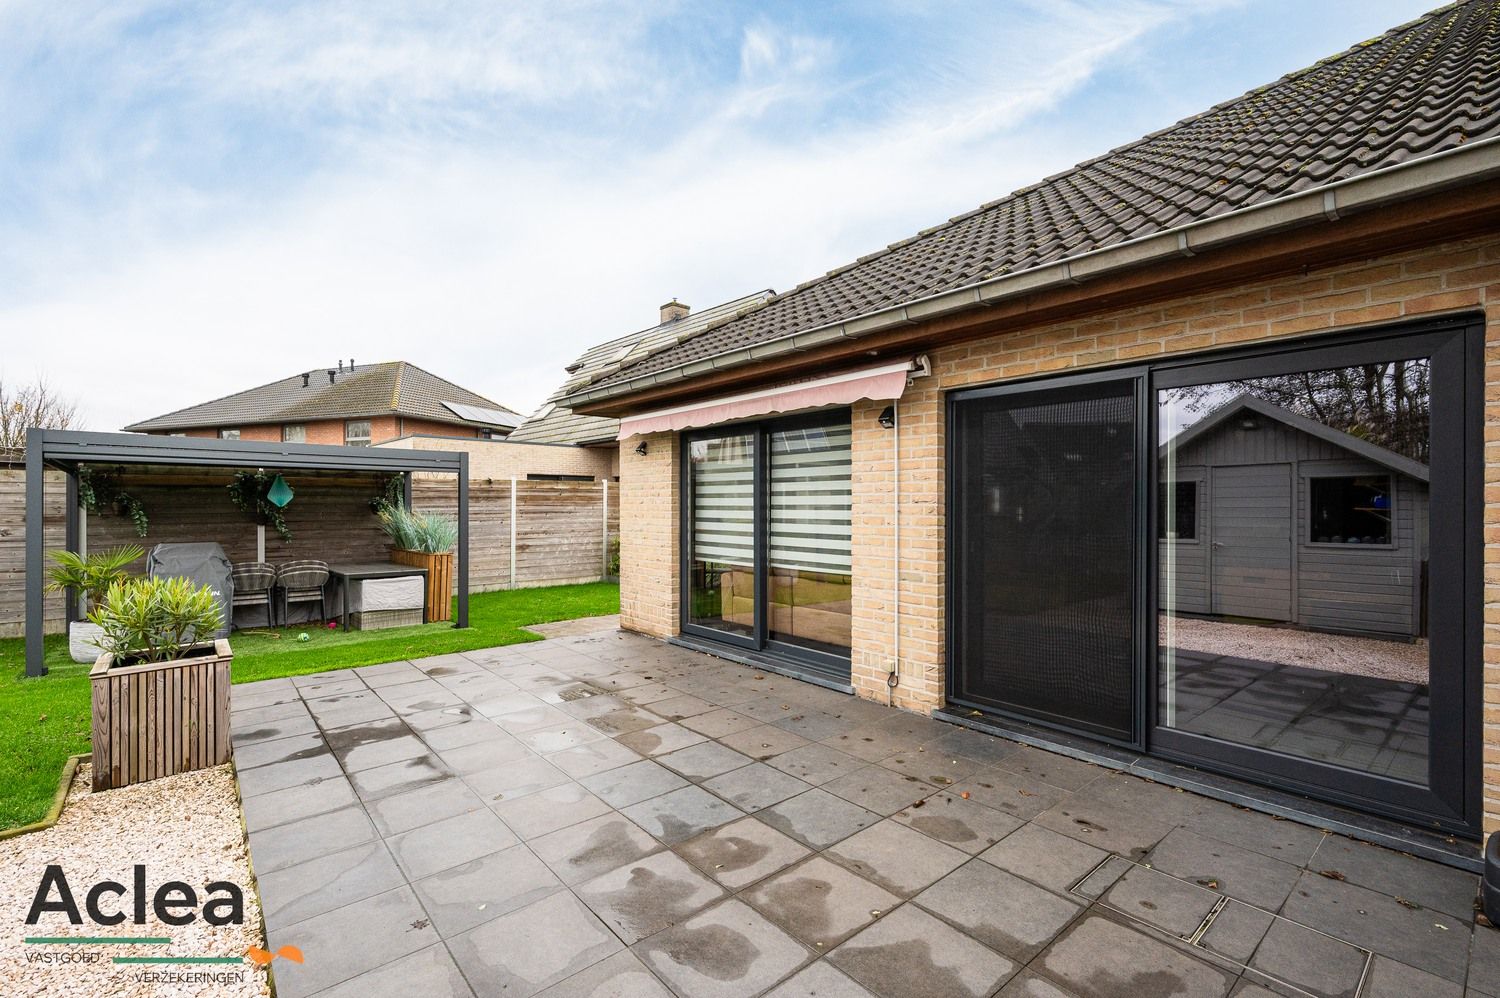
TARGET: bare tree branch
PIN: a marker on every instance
(34, 404)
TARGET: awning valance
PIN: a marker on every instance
(886, 381)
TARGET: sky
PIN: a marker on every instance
(196, 198)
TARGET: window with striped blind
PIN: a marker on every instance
(809, 503)
(722, 530)
(724, 500)
(807, 537)
(800, 594)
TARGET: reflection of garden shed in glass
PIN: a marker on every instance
(1266, 514)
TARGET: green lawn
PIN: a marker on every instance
(43, 721)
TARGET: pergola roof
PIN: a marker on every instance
(67, 449)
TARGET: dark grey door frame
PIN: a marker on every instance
(1455, 801)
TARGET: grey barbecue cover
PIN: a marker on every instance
(204, 563)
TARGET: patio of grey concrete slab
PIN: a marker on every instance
(605, 814)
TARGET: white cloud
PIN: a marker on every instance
(493, 261)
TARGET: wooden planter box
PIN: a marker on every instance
(160, 718)
(439, 579)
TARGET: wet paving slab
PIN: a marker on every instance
(603, 814)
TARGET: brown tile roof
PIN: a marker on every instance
(1421, 88)
(555, 424)
(391, 388)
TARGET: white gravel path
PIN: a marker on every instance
(1400, 661)
(181, 828)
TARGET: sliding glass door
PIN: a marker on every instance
(1264, 563)
(1312, 625)
(767, 539)
(1045, 510)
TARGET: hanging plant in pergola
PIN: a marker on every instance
(263, 496)
(99, 492)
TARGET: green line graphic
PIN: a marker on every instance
(75, 940)
(179, 959)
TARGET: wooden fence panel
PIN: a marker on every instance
(13, 547)
(559, 532)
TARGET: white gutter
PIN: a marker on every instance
(1455, 167)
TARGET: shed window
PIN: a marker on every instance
(1177, 511)
(1351, 509)
(357, 433)
(294, 433)
(229, 434)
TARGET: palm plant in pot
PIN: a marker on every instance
(160, 694)
(424, 540)
(89, 577)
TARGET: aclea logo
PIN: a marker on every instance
(174, 902)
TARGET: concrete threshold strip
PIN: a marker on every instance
(1113, 869)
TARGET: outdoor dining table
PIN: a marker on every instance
(349, 572)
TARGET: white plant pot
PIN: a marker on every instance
(83, 641)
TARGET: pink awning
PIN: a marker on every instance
(887, 381)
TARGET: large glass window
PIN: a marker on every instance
(809, 586)
(721, 572)
(768, 538)
(1300, 627)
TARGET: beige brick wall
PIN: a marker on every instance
(649, 535)
(501, 460)
(1442, 279)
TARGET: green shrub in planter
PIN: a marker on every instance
(151, 620)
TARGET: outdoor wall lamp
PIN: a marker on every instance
(640, 448)
(888, 417)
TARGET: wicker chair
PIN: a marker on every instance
(303, 582)
(253, 584)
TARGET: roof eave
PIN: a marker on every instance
(1456, 167)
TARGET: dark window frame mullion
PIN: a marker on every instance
(760, 512)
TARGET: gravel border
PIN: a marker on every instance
(1400, 661)
(184, 828)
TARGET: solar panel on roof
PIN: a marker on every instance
(482, 414)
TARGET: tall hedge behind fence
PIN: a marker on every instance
(558, 531)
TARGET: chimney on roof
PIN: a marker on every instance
(306, 377)
(341, 367)
(351, 365)
(673, 310)
(330, 375)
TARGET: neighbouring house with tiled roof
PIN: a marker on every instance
(960, 475)
(355, 405)
(554, 423)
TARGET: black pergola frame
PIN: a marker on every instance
(65, 450)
